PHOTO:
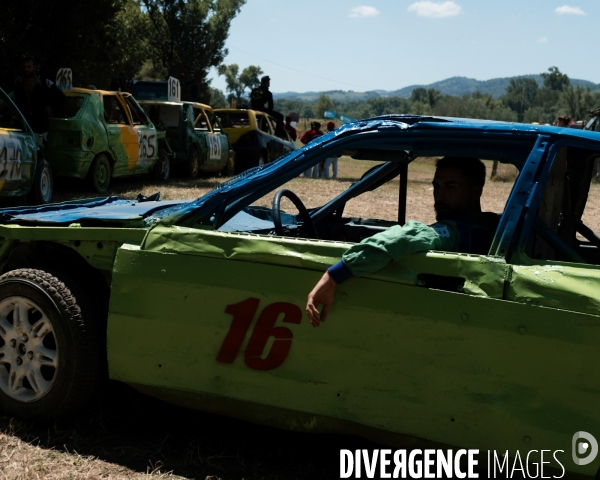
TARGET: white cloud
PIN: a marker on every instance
(430, 9)
(363, 11)
(543, 40)
(566, 10)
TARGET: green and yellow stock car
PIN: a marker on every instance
(194, 134)
(202, 303)
(104, 135)
(23, 170)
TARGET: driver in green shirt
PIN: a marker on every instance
(461, 227)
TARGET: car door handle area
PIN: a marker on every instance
(441, 282)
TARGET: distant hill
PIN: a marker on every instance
(451, 86)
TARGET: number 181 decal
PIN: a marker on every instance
(243, 313)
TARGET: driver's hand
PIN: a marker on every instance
(323, 293)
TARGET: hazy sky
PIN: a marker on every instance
(317, 45)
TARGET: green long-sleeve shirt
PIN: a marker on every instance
(471, 235)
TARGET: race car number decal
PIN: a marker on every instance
(214, 147)
(146, 144)
(265, 328)
(11, 157)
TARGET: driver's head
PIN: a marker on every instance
(457, 187)
(28, 67)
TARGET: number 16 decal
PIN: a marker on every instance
(243, 313)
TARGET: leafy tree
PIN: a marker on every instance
(237, 84)
(554, 80)
(521, 94)
(434, 96)
(476, 105)
(99, 40)
(306, 111)
(426, 96)
(420, 108)
(189, 36)
(419, 95)
(578, 102)
(217, 99)
(323, 103)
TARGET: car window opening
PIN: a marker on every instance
(335, 213)
(565, 223)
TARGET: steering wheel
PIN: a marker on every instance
(308, 227)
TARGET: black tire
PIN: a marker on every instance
(230, 167)
(192, 164)
(100, 173)
(69, 363)
(42, 188)
(162, 168)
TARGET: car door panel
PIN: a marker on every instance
(450, 367)
(122, 136)
(18, 154)
(147, 142)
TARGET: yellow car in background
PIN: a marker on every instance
(252, 136)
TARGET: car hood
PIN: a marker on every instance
(113, 211)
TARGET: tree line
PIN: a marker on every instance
(524, 101)
(98, 40)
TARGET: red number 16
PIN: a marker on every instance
(243, 313)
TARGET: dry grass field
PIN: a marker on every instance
(381, 203)
(125, 435)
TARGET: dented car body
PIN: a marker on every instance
(105, 135)
(23, 170)
(202, 302)
(194, 134)
(252, 136)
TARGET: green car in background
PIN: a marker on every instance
(195, 135)
(23, 170)
(104, 135)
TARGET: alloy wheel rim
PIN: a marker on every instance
(164, 168)
(102, 175)
(45, 182)
(28, 350)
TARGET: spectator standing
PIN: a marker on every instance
(565, 121)
(308, 136)
(333, 161)
(37, 97)
(288, 128)
(261, 99)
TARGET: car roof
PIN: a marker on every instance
(233, 110)
(167, 102)
(89, 91)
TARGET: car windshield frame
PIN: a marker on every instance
(383, 134)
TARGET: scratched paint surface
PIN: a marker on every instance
(18, 150)
(464, 369)
(187, 129)
(215, 320)
(74, 142)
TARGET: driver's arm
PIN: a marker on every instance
(374, 253)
